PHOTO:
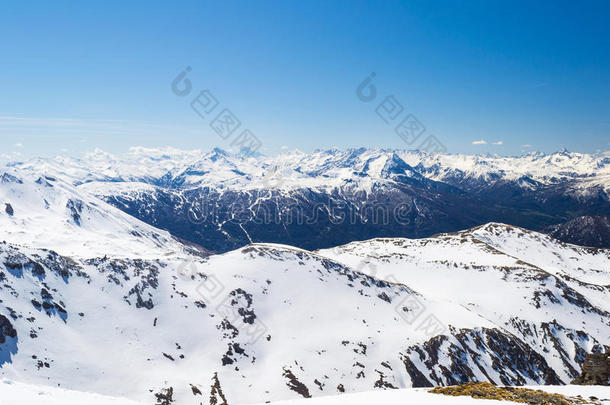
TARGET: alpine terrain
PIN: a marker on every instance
(224, 201)
(95, 297)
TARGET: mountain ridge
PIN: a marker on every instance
(80, 294)
(223, 201)
(449, 331)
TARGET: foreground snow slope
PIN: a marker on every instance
(16, 393)
(392, 397)
(420, 396)
(266, 318)
(271, 322)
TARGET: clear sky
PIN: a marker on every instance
(508, 76)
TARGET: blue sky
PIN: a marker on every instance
(78, 75)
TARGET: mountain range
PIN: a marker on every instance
(95, 297)
(223, 201)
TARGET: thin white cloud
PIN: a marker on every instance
(526, 145)
(18, 145)
(498, 143)
(480, 142)
(283, 147)
(14, 124)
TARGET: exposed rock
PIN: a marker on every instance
(217, 397)
(595, 370)
(195, 390)
(75, 208)
(9, 178)
(7, 347)
(512, 360)
(165, 396)
(6, 329)
(296, 385)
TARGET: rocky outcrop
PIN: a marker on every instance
(8, 339)
(595, 370)
(6, 329)
(479, 354)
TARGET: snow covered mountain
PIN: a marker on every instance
(223, 201)
(46, 212)
(149, 319)
(297, 169)
(583, 172)
(92, 298)
(507, 276)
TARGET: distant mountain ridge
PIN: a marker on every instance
(223, 201)
(586, 231)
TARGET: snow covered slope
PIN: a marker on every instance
(589, 265)
(47, 212)
(420, 396)
(271, 322)
(246, 323)
(16, 393)
(550, 295)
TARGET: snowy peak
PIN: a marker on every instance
(410, 193)
(588, 265)
(245, 305)
(396, 168)
(542, 168)
(219, 168)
